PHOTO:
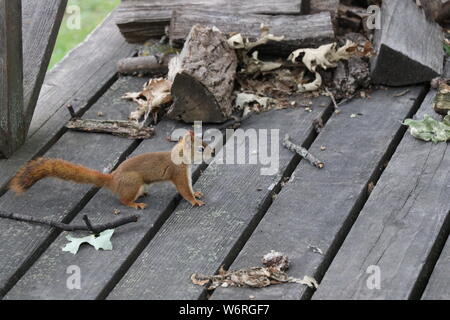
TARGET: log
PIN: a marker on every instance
(317, 6)
(203, 77)
(408, 53)
(141, 20)
(315, 29)
(352, 74)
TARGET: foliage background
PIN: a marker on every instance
(92, 14)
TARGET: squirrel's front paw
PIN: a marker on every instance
(138, 205)
(198, 194)
(197, 203)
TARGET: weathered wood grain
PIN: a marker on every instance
(316, 6)
(438, 287)
(203, 77)
(79, 79)
(22, 243)
(407, 53)
(141, 20)
(316, 208)
(40, 25)
(202, 239)
(12, 130)
(316, 29)
(398, 227)
(101, 269)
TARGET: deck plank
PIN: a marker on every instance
(79, 79)
(398, 227)
(22, 243)
(202, 239)
(317, 207)
(40, 23)
(438, 287)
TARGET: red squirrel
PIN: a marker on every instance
(128, 180)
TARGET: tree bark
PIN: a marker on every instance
(203, 77)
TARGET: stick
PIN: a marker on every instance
(302, 152)
(234, 123)
(121, 128)
(69, 227)
(155, 64)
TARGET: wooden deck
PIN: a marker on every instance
(401, 225)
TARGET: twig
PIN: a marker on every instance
(89, 225)
(235, 122)
(121, 128)
(336, 107)
(70, 227)
(302, 152)
(71, 111)
(402, 93)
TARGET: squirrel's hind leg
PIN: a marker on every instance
(129, 197)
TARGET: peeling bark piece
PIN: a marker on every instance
(350, 76)
(407, 53)
(141, 20)
(298, 31)
(126, 129)
(203, 77)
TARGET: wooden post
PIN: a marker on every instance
(12, 131)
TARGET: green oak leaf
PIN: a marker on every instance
(102, 241)
(429, 129)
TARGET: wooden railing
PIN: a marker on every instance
(28, 30)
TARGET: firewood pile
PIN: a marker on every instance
(220, 59)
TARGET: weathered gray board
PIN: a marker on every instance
(79, 79)
(202, 239)
(140, 20)
(407, 53)
(316, 29)
(316, 6)
(398, 227)
(12, 132)
(438, 287)
(40, 24)
(315, 208)
(20, 242)
(101, 269)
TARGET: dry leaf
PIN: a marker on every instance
(156, 92)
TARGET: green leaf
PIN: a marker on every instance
(102, 241)
(429, 129)
(447, 48)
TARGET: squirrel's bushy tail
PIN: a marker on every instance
(40, 168)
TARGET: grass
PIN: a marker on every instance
(92, 13)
